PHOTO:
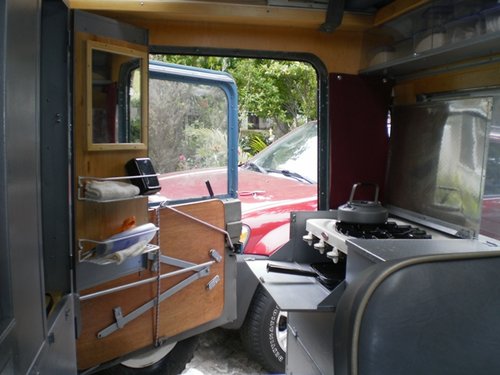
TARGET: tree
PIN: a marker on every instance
(284, 91)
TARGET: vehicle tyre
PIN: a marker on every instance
(173, 361)
(264, 332)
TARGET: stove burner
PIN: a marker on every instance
(388, 229)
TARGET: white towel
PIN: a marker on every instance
(120, 256)
(108, 190)
(132, 251)
(126, 239)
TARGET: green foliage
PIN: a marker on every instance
(282, 90)
(187, 125)
(257, 144)
(285, 91)
(204, 148)
(252, 143)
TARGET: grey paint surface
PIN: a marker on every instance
(310, 343)
(58, 356)
(55, 144)
(26, 337)
(6, 318)
(23, 177)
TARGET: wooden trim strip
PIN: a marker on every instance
(180, 10)
(397, 8)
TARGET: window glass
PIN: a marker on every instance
(490, 219)
(133, 125)
(437, 158)
(188, 130)
(114, 95)
(295, 153)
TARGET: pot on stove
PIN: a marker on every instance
(362, 211)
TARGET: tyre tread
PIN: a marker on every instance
(252, 335)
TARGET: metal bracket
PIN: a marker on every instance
(334, 15)
(176, 262)
(212, 283)
(215, 255)
(179, 262)
(117, 311)
(121, 320)
(201, 270)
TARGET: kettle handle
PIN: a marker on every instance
(355, 186)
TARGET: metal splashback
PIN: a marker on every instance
(437, 161)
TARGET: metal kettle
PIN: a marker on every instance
(362, 211)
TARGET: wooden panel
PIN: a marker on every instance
(181, 238)
(339, 51)
(97, 314)
(185, 239)
(98, 221)
(243, 13)
(480, 76)
(396, 9)
(185, 24)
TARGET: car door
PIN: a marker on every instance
(149, 271)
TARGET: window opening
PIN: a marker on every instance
(275, 97)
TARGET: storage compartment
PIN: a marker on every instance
(442, 33)
(382, 55)
(491, 19)
(464, 29)
(432, 33)
(182, 287)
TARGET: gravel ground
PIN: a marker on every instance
(219, 352)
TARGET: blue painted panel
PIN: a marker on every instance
(222, 80)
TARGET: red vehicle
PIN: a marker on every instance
(278, 180)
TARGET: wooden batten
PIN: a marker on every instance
(474, 77)
(241, 27)
(339, 51)
(236, 13)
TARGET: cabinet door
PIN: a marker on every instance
(186, 285)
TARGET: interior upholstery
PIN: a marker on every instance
(428, 315)
(354, 159)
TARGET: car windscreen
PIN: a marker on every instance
(296, 153)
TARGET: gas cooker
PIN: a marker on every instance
(332, 234)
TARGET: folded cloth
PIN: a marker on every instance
(126, 239)
(108, 190)
(120, 256)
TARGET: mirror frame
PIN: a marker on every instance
(143, 56)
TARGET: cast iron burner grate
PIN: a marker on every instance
(387, 230)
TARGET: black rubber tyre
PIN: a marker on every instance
(263, 331)
(171, 364)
